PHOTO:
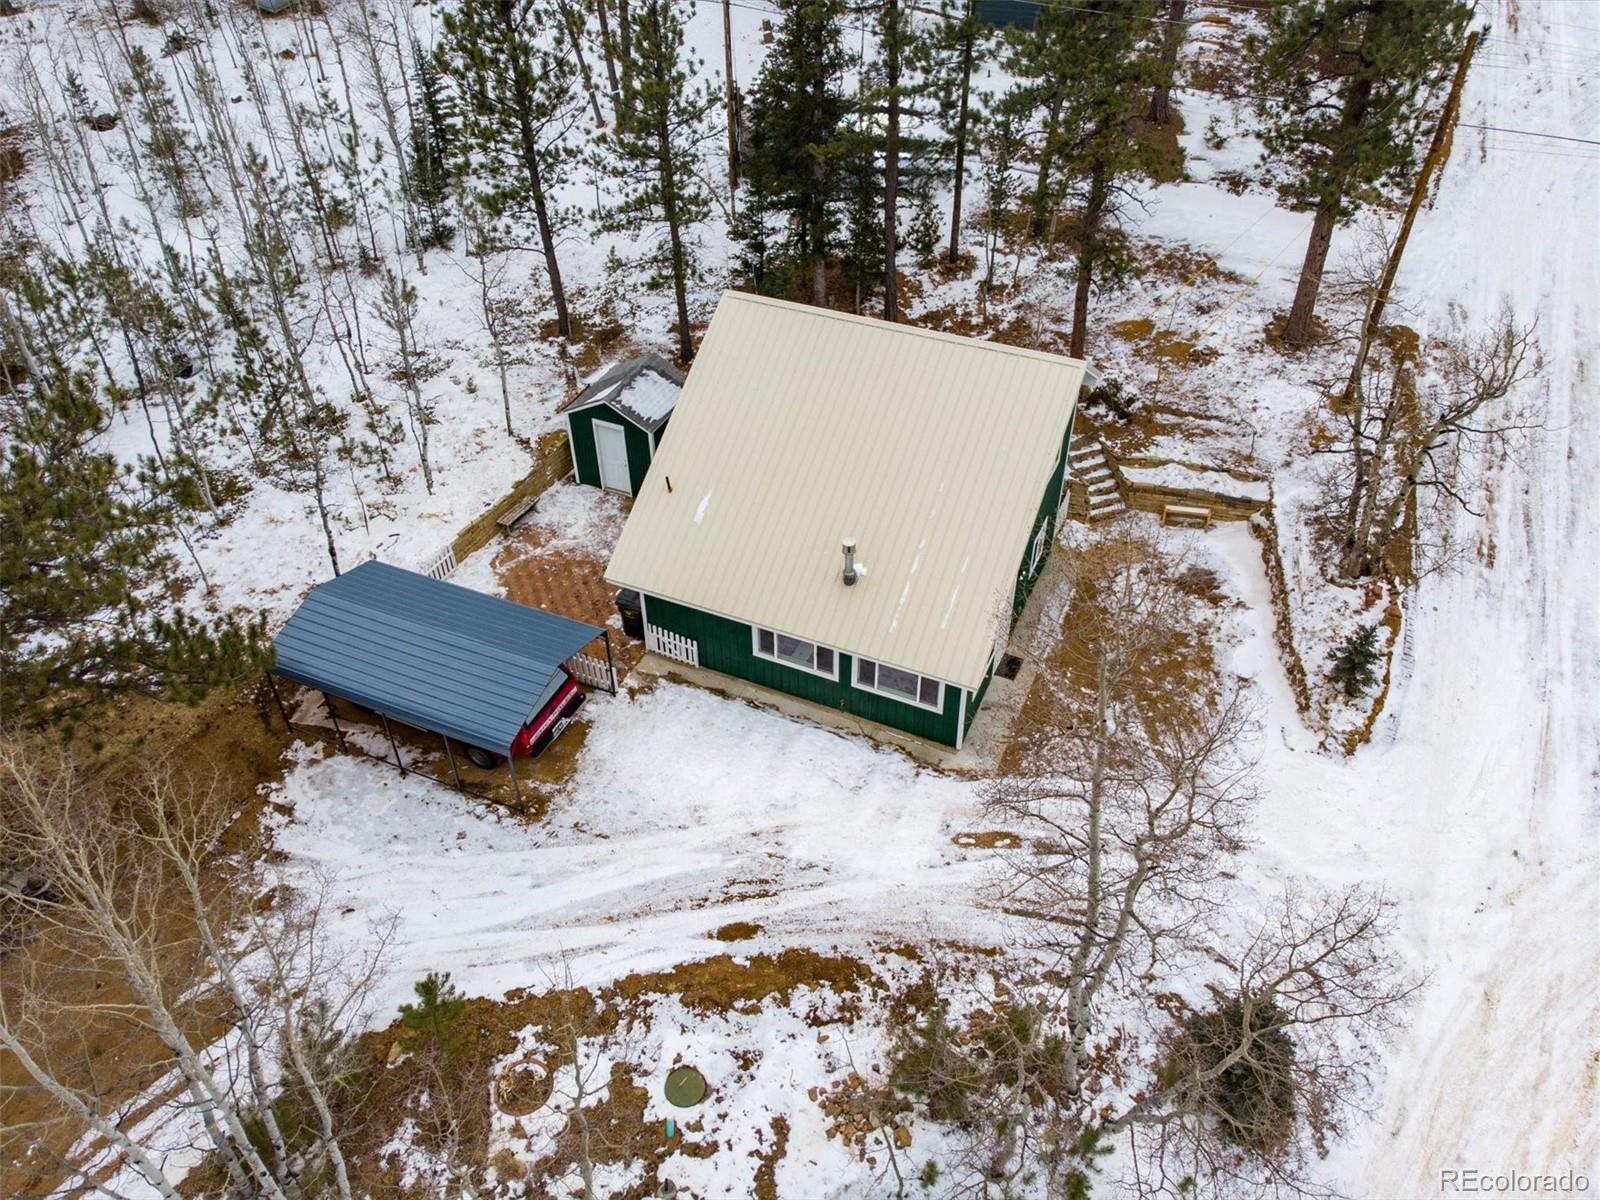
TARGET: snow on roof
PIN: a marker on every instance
(799, 427)
(644, 389)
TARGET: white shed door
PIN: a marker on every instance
(611, 447)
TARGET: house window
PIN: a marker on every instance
(796, 652)
(899, 684)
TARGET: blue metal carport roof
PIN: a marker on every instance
(431, 654)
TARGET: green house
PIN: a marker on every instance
(615, 424)
(850, 511)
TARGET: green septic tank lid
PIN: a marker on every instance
(686, 1087)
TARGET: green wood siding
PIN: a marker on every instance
(977, 696)
(587, 462)
(728, 646)
(1046, 518)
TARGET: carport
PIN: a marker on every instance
(433, 655)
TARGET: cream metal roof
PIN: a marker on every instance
(799, 427)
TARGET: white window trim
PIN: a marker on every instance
(1037, 550)
(855, 682)
(755, 649)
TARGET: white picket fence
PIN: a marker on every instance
(673, 645)
(595, 672)
(440, 565)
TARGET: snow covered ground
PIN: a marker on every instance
(1477, 805)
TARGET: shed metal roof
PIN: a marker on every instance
(643, 389)
(799, 427)
(431, 654)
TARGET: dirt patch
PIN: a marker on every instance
(736, 931)
(989, 839)
(723, 983)
(766, 1181)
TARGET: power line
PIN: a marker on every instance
(1556, 137)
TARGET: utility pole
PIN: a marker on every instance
(1431, 166)
(732, 105)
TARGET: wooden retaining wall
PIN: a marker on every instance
(552, 462)
(1152, 498)
(1265, 530)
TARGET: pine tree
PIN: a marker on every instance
(1172, 30)
(1001, 145)
(661, 127)
(1086, 69)
(861, 245)
(1343, 87)
(82, 565)
(521, 104)
(949, 56)
(437, 1021)
(1355, 662)
(434, 137)
(796, 114)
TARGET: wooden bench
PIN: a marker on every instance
(1186, 514)
(517, 511)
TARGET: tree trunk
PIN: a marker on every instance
(1041, 191)
(541, 210)
(968, 37)
(732, 104)
(605, 50)
(891, 165)
(669, 209)
(1298, 330)
(1088, 251)
(1167, 63)
(573, 20)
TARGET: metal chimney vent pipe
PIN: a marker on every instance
(850, 575)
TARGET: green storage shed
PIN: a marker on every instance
(615, 424)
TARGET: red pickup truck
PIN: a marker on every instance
(561, 698)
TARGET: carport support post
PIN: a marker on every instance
(334, 717)
(611, 667)
(511, 770)
(450, 754)
(282, 712)
(393, 745)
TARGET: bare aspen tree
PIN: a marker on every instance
(382, 57)
(1407, 425)
(1140, 792)
(503, 315)
(1250, 1091)
(412, 363)
(138, 892)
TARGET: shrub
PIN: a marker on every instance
(1355, 662)
(1253, 1099)
(437, 1021)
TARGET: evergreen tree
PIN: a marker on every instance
(891, 91)
(521, 104)
(1355, 662)
(1001, 145)
(862, 248)
(1085, 68)
(661, 126)
(434, 137)
(1342, 88)
(796, 114)
(437, 1021)
(949, 56)
(1173, 27)
(81, 568)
